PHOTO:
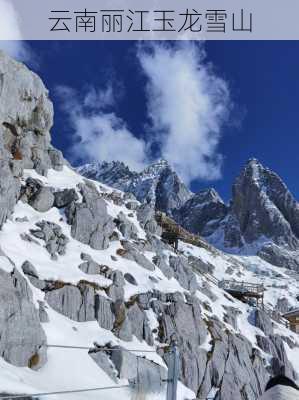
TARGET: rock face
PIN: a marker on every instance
(26, 116)
(263, 207)
(22, 339)
(90, 221)
(157, 185)
(76, 303)
(150, 375)
(202, 213)
(65, 197)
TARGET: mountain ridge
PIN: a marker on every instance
(261, 218)
(157, 185)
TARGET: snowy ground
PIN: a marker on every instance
(75, 369)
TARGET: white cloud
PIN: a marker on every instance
(10, 33)
(100, 98)
(100, 135)
(187, 104)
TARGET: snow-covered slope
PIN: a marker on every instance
(64, 327)
(83, 265)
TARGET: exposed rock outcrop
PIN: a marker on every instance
(26, 117)
(202, 213)
(55, 240)
(91, 223)
(22, 339)
(40, 197)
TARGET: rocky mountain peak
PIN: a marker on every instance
(209, 194)
(114, 173)
(157, 185)
(264, 206)
(263, 217)
(158, 165)
(263, 177)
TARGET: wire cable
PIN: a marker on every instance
(18, 396)
(98, 349)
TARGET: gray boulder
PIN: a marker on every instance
(90, 221)
(22, 339)
(51, 233)
(183, 273)
(198, 265)
(130, 278)
(122, 325)
(76, 303)
(31, 273)
(27, 116)
(148, 375)
(43, 201)
(103, 312)
(161, 263)
(42, 311)
(126, 227)
(263, 321)
(139, 324)
(9, 186)
(130, 252)
(38, 196)
(183, 320)
(232, 367)
(116, 290)
(65, 197)
(104, 362)
(29, 269)
(146, 218)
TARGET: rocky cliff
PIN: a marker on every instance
(262, 218)
(83, 265)
(26, 116)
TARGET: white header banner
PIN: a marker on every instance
(149, 20)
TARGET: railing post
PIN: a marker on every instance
(173, 372)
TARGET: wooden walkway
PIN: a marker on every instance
(243, 290)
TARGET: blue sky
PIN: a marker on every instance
(259, 81)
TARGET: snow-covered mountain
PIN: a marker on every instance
(262, 217)
(157, 185)
(83, 265)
